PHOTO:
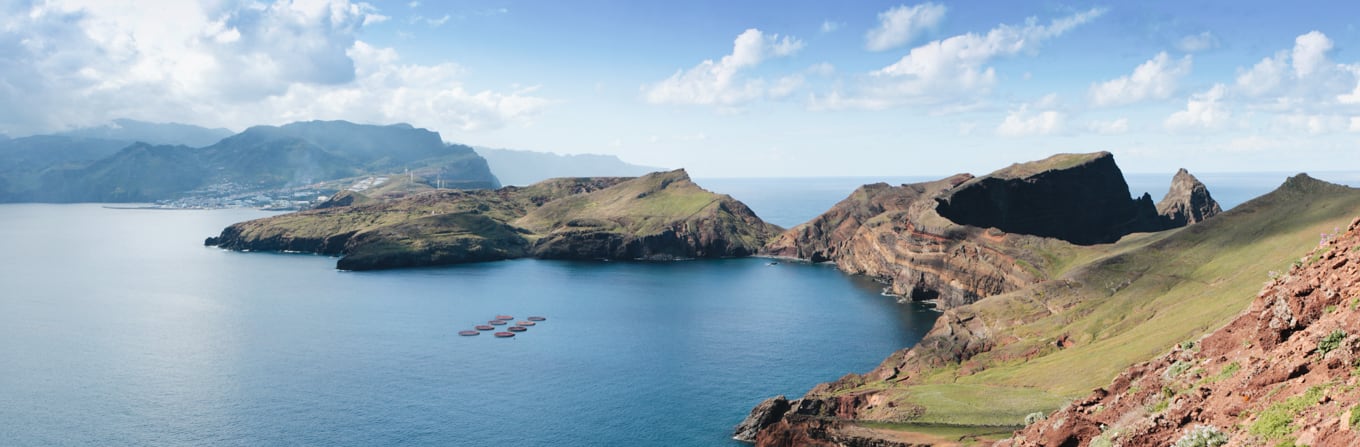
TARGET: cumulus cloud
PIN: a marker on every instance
(1154, 79)
(72, 63)
(829, 26)
(1310, 53)
(721, 82)
(1036, 118)
(1265, 76)
(1202, 111)
(1023, 123)
(898, 26)
(1303, 74)
(952, 69)
(1195, 43)
(424, 95)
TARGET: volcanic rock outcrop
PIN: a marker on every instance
(1282, 373)
(932, 241)
(659, 216)
(1078, 198)
(1188, 201)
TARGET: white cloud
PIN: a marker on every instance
(1355, 124)
(1310, 53)
(83, 62)
(1154, 79)
(423, 95)
(829, 26)
(951, 70)
(898, 26)
(1316, 124)
(1265, 76)
(1303, 76)
(1202, 111)
(1195, 43)
(1022, 123)
(1114, 127)
(413, 5)
(1350, 98)
(721, 82)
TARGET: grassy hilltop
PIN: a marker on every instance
(662, 215)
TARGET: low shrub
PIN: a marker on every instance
(1202, 436)
(1330, 342)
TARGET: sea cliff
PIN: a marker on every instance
(963, 238)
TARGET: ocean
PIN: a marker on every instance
(117, 327)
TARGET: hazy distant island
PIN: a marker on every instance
(293, 166)
(523, 168)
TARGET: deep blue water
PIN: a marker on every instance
(117, 327)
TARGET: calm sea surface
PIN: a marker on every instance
(117, 327)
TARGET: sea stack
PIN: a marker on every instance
(1187, 202)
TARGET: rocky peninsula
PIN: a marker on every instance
(1032, 322)
(659, 216)
(962, 238)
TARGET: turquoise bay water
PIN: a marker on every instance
(117, 327)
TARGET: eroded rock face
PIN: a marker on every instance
(1187, 202)
(893, 233)
(1079, 198)
(1297, 343)
(764, 414)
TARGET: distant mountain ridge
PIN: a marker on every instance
(521, 168)
(75, 167)
(154, 133)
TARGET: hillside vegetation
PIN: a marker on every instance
(662, 215)
(1104, 307)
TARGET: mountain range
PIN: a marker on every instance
(134, 161)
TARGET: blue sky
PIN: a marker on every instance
(789, 88)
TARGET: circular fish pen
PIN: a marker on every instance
(517, 329)
(467, 333)
(505, 334)
(537, 319)
(484, 327)
(497, 322)
(524, 323)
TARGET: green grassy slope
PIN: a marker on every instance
(1119, 304)
(657, 216)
